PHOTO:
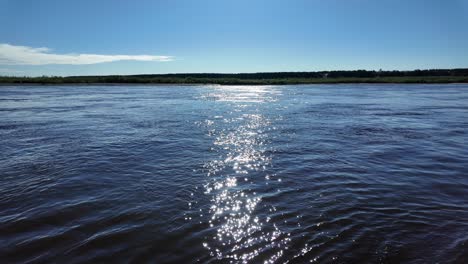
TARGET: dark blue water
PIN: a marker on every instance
(219, 174)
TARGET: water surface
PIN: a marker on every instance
(241, 174)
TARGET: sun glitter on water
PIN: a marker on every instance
(240, 232)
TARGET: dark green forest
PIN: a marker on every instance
(262, 78)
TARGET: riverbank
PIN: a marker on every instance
(278, 78)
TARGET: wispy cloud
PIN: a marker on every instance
(23, 55)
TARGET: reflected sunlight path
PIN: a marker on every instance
(243, 230)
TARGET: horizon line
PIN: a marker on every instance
(240, 73)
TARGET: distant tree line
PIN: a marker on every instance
(364, 76)
(319, 74)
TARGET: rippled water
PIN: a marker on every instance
(241, 174)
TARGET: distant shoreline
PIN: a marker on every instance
(199, 84)
(438, 76)
(256, 82)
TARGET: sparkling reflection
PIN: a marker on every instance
(242, 227)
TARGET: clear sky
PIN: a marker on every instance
(83, 37)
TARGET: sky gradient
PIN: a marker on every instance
(131, 37)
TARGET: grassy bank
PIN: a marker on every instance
(330, 77)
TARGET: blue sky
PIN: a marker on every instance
(84, 37)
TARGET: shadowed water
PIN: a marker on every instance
(234, 174)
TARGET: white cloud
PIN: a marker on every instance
(23, 55)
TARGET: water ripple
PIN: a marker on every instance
(234, 174)
(241, 139)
